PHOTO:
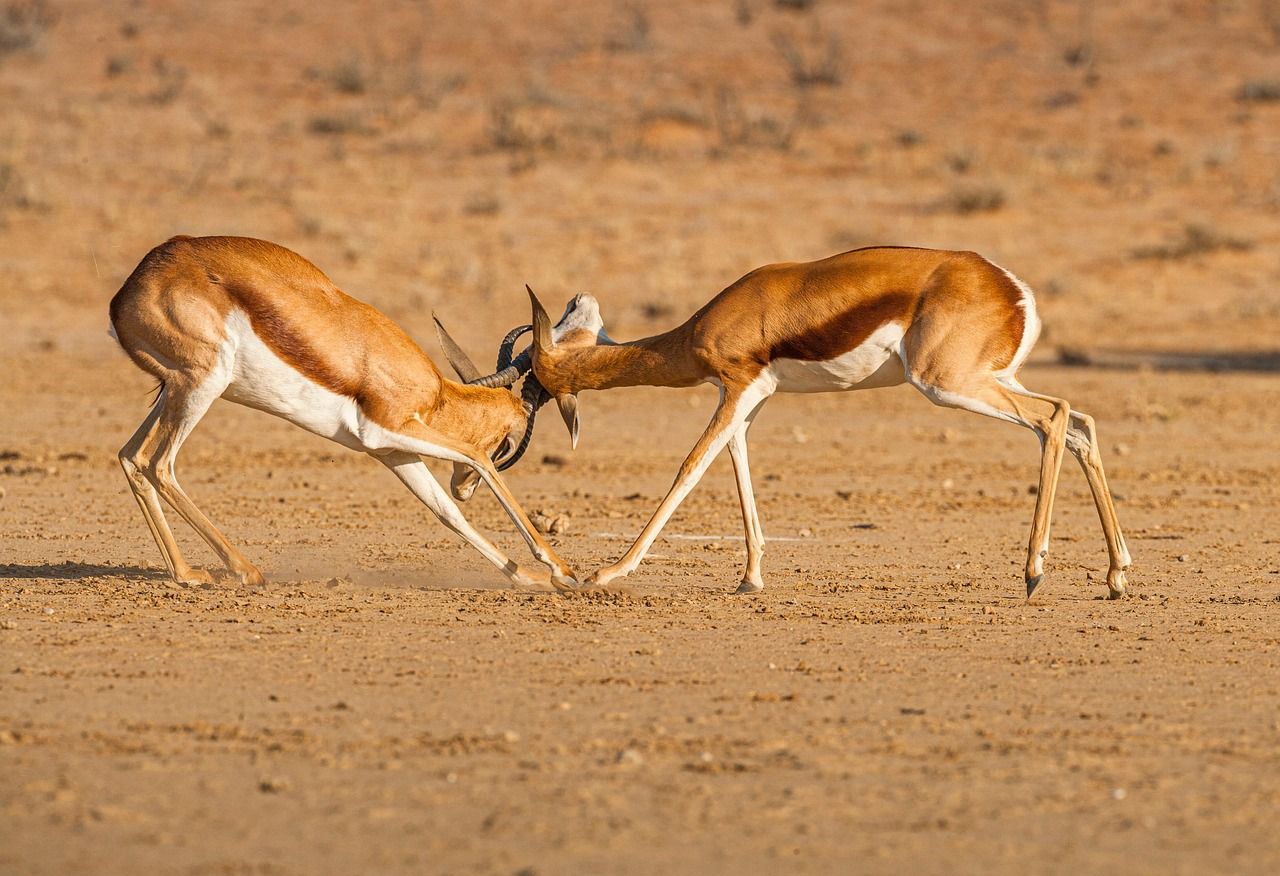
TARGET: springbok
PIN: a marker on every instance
(952, 324)
(256, 324)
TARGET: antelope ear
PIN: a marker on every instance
(568, 404)
(541, 323)
(462, 364)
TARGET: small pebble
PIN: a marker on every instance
(630, 757)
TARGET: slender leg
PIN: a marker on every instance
(734, 407)
(752, 581)
(1082, 441)
(410, 469)
(185, 409)
(133, 460)
(421, 439)
(1053, 440)
(998, 400)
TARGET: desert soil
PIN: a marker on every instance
(891, 700)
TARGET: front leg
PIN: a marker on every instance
(415, 475)
(735, 405)
(420, 439)
(752, 580)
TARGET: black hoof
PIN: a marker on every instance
(1032, 584)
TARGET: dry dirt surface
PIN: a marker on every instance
(890, 702)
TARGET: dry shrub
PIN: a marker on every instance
(632, 32)
(973, 199)
(1259, 91)
(736, 127)
(820, 63)
(1196, 240)
(23, 25)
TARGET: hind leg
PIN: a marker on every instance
(985, 395)
(1082, 441)
(133, 459)
(185, 409)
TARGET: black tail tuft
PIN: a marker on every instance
(155, 392)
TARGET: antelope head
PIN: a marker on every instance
(579, 326)
(508, 447)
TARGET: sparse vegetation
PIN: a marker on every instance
(908, 138)
(14, 191)
(349, 76)
(512, 131)
(632, 32)
(656, 310)
(23, 25)
(1259, 91)
(1196, 239)
(170, 79)
(736, 127)
(973, 199)
(337, 124)
(821, 63)
(960, 160)
(482, 204)
(118, 65)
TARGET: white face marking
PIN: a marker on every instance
(262, 380)
(873, 363)
(583, 312)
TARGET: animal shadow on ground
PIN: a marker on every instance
(71, 571)
(1259, 362)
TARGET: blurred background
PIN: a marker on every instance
(1123, 157)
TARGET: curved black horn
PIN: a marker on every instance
(533, 396)
(506, 350)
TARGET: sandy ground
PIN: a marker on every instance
(890, 700)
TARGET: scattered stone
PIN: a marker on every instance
(273, 785)
(629, 757)
(549, 524)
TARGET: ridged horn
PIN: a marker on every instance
(533, 396)
(466, 370)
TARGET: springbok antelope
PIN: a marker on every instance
(257, 324)
(952, 324)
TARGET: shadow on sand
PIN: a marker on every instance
(1188, 360)
(70, 571)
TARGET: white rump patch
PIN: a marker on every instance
(873, 363)
(1030, 326)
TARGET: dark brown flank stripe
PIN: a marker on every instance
(277, 333)
(845, 332)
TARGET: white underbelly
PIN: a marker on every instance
(873, 363)
(262, 380)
